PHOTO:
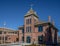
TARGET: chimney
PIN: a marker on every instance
(49, 18)
(52, 22)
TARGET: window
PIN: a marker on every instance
(28, 21)
(28, 29)
(40, 39)
(40, 28)
(28, 39)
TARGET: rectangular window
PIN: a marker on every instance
(40, 28)
(28, 29)
(28, 21)
(40, 39)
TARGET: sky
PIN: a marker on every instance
(12, 11)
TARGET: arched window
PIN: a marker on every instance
(28, 39)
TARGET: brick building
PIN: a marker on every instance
(35, 30)
(8, 35)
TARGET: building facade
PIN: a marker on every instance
(35, 30)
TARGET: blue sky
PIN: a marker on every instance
(13, 11)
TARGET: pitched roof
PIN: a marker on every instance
(7, 29)
(31, 11)
(46, 23)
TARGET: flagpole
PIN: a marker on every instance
(4, 31)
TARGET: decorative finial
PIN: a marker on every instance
(31, 6)
(53, 22)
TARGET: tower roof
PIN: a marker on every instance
(30, 12)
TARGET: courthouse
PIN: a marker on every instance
(32, 31)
